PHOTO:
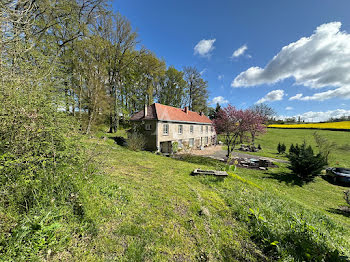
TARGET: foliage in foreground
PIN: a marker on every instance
(283, 230)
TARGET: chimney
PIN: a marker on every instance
(201, 113)
(186, 110)
(145, 111)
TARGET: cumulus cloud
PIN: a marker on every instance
(204, 47)
(312, 116)
(240, 51)
(289, 108)
(341, 92)
(275, 95)
(219, 99)
(320, 60)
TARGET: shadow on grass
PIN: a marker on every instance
(207, 161)
(119, 140)
(344, 211)
(288, 178)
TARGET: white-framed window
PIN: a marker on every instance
(206, 129)
(206, 140)
(166, 129)
(180, 143)
(191, 129)
(148, 127)
(180, 129)
(201, 129)
(191, 142)
(212, 129)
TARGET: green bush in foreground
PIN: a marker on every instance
(304, 163)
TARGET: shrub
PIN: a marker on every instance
(283, 148)
(175, 147)
(279, 148)
(304, 163)
(136, 141)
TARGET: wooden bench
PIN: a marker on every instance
(209, 172)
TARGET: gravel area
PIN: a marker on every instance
(218, 152)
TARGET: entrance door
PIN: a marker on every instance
(165, 147)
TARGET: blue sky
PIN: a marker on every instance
(307, 78)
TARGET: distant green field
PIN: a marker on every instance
(270, 140)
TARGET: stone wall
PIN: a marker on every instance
(202, 135)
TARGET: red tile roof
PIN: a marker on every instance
(168, 113)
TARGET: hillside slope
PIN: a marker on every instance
(148, 207)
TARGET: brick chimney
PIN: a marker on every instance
(145, 111)
(186, 109)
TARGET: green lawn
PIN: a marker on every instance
(149, 207)
(270, 140)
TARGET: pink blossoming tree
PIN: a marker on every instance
(237, 125)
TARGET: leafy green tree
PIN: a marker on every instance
(171, 89)
(196, 90)
(212, 113)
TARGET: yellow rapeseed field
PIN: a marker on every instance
(344, 125)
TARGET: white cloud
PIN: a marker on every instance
(341, 92)
(220, 77)
(219, 99)
(320, 60)
(289, 108)
(204, 47)
(296, 97)
(321, 116)
(240, 51)
(275, 95)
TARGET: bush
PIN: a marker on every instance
(175, 147)
(281, 148)
(304, 163)
(136, 142)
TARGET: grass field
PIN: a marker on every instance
(270, 140)
(139, 206)
(343, 125)
(148, 207)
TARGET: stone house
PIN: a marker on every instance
(163, 125)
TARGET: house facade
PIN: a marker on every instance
(163, 125)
